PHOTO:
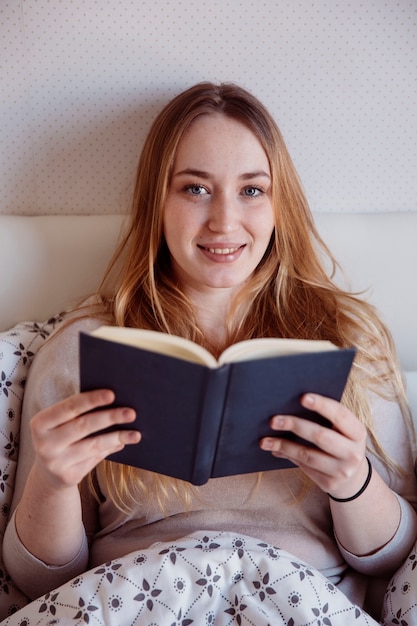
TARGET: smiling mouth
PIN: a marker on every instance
(221, 251)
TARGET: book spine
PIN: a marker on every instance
(210, 419)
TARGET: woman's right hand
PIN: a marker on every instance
(67, 446)
(63, 436)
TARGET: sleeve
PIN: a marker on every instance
(52, 377)
(397, 439)
(386, 560)
(34, 577)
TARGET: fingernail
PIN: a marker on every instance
(128, 414)
(309, 399)
(278, 422)
(269, 443)
(133, 436)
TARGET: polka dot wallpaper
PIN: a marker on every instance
(82, 80)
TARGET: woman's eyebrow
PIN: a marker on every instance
(192, 172)
(255, 174)
(206, 175)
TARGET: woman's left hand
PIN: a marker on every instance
(336, 459)
(336, 462)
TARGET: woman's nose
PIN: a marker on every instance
(224, 215)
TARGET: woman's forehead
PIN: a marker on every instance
(220, 139)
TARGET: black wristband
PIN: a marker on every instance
(361, 490)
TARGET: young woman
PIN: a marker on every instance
(221, 247)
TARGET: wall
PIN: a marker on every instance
(81, 81)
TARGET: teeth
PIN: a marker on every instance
(222, 250)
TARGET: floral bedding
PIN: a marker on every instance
(17, 349)
(203, 579)
(206, 579)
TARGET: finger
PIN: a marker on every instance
(341, 418)
(347, 446)
(78, 460)
(327, 471)
(316, 438)
(305, 456)
(73, 406)
(99, 447)
(329, 441)
(79, 428)
(85, 425)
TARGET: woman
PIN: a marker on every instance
(221, 247)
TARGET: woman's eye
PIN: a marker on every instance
(196, 190)
(252, 191)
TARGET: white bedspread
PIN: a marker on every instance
(203, 579)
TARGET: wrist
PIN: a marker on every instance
(48, 483)
(360, 491)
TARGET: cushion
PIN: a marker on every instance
(17, 349)
(411, 381)
(400, 604)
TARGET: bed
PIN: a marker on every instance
(47, 264)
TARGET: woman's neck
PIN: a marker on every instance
(212, 311)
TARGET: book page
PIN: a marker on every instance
(162, 343)
(268, 347)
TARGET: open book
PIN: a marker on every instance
(202, 418)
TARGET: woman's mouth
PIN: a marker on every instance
(223, 250)
(222, 253)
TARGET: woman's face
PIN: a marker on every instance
(218, 217)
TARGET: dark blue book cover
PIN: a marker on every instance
(199, 422)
